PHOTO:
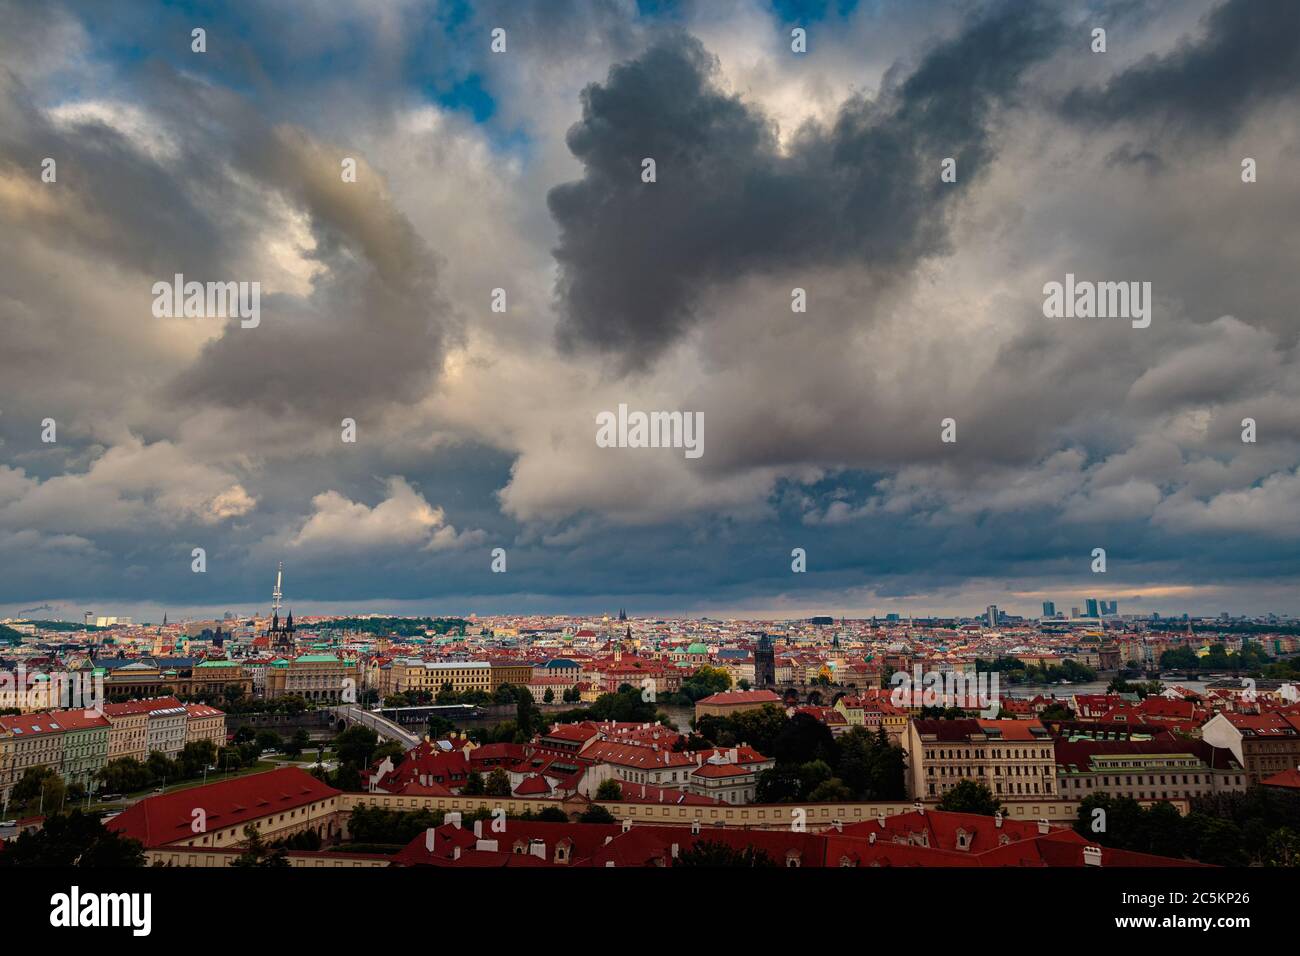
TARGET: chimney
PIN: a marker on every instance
(478, 829)
(997, 819)
(489, 845)
(452, 817)
(871, 839)
(733, 756)
(608, 840)
(918, 807)
(537, 848)
(627, 824)
(1042, 826)
(455, 853)
(1092, 856)
(838, 825)
(695, 825)
(675, 851)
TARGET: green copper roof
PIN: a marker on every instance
(698, 648)
(318, 659)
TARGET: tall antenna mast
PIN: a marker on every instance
(277, 593)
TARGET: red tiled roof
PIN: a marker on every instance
(203, 710)
(78, 719)
(721, 770)
(30, 725)
(635, 755)
(578, 733)
(647, 793)
(141, 706)
(161, 820)
(1287, 778)
(533, 786)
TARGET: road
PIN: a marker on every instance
(381, 725)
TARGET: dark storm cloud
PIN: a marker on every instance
(728, 201)
(113, 200)
(1250, 54)
(374, 327)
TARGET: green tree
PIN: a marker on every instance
(812, 775)
(609, 789)
(72, 839)
(474, 785)
(257, 854)
(803, 738)
(40, 790)
(830, 791)
(597, 814)
(1056, 712)
(971, 796)
(856, 760)
(497, 783)
(389, 748)
(705, 682)
(1282, 848)
(888, 769)
(299, 742)
(779, 785)
(123, 775)
(355, 746)
(527, 716)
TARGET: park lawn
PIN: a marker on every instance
(258, 767)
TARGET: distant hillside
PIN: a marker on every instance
(399, 626)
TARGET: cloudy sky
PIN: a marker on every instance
(775, 170)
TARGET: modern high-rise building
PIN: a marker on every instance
(1091, 609)
(1049, 609)
(991, 615)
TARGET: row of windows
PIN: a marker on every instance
(1016, 753)
(968, 771)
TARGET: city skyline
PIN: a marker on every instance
(860, 275)
(1017, 606)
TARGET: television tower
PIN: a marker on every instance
(277, 593)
